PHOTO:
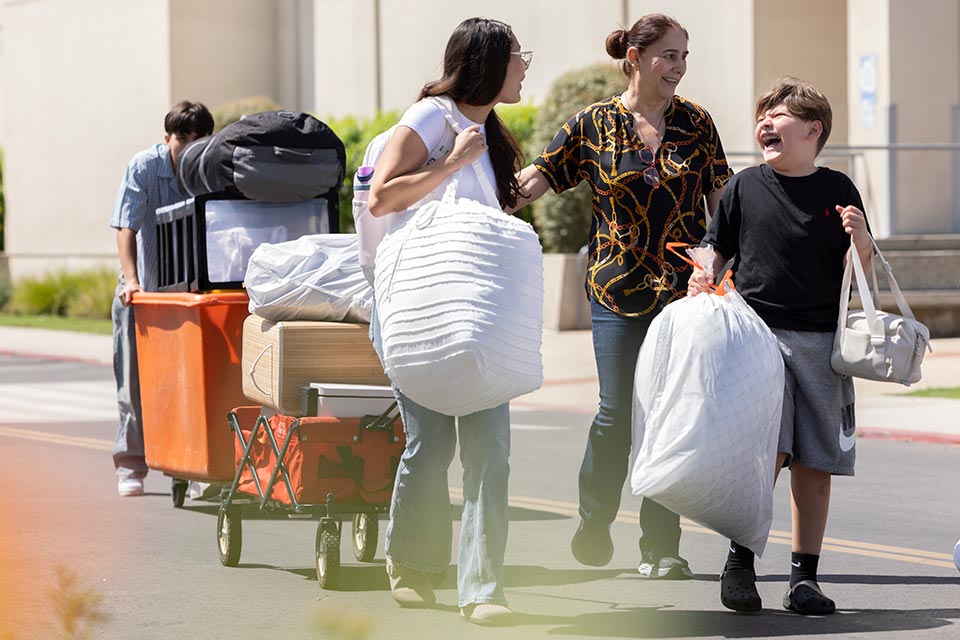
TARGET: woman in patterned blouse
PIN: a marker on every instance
(655, 165)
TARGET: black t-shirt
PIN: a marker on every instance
(789, 243)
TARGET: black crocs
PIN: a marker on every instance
(806, 598)
(738, 590)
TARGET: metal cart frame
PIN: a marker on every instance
(329, 529)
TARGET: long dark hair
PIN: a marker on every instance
(641, 35)
(474, 69)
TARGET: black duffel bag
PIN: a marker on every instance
(274, 156)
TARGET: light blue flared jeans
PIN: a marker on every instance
(420, 531)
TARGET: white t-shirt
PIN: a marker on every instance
(426, 119)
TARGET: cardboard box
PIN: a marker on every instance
(281, 357)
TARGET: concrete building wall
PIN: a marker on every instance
(344, 58)
(221, 50)
(925, 88)
(904, 85)
(810, 44)
(720, 67)
(412, 41)
(868, 87)
(86, 85)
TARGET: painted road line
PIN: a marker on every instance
(56, 438)
(785, 537)
(887, 552)
(853, 547)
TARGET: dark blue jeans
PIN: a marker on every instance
(616, 345)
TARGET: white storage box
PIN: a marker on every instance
(333, 400)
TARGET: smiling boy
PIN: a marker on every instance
(789, 224)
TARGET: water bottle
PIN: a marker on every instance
(361, 183)
(370, 230)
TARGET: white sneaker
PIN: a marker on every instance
(130, 487)
(665, 567)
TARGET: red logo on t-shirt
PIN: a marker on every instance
(826, 212)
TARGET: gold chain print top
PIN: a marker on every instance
(642, 199)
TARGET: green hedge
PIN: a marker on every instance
(2, 207)
(563, 221)
(78, 294)
(230, 112)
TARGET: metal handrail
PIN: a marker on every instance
(852, 153)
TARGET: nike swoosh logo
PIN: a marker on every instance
(795, 564)
(847, 442)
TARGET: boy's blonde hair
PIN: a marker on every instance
(802, 100)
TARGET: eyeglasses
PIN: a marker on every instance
(650, 175)
(526, 57)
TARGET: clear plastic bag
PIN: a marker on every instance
(315, 277)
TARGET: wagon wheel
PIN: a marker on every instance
(365, 530)
(328, 553)
(229, 535)
(178, 492)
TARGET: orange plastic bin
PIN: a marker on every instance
(188, 347)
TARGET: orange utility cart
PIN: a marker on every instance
(188, 348)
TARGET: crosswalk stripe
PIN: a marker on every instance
(30, 403)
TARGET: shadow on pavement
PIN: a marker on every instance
(671, 623)
(861, 579)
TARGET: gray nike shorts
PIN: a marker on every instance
(818, 427)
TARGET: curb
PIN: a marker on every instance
(55, 358)
(900, 435)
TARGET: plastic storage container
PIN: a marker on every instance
(334, 400)
(188, 347)
(206, 242)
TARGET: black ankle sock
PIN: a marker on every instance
(739, 557)
(803, 566)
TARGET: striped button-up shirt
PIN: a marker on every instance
(148, 183)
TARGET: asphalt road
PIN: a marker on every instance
(156, 573)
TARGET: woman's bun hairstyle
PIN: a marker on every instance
(617, 44)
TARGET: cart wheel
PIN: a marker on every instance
(229, 535)
(365, 530)
(178, 491)
(328, 553)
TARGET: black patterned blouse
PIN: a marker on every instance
(641, 200)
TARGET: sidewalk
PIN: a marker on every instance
(570, 381)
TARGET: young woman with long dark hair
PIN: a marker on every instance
(483, 66)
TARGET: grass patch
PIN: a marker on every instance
(936, 392)
(59, 323)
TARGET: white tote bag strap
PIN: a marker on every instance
(489, 191)
(894, 287)
(868, 302)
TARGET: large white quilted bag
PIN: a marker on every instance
(708, 394)
(459, 293)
